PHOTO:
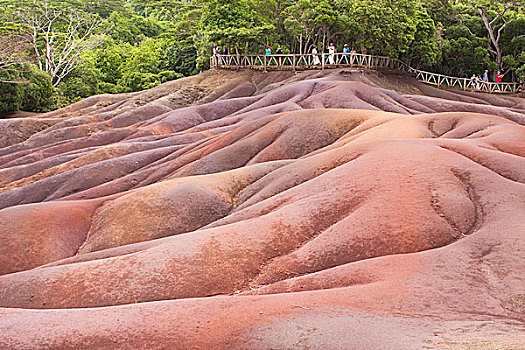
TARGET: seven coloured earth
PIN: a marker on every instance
(337, 209)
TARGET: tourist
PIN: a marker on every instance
(268, 50)
(225, 50)
(486, 76)
(346, 52)
(331, 53)
(316, 58)
(522, 82)
(473, 82)
(279, 51)
(217, 52)
(499, 76)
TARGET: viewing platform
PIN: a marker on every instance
(300, 62)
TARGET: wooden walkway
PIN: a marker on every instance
(341, 60)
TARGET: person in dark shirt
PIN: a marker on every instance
(279, 51)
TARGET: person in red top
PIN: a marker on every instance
(498, 77)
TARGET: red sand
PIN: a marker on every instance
(267, 211)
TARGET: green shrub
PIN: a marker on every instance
(38, 92)
(11, 97)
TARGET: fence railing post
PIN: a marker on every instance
(237, 61)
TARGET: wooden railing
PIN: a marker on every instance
(338, 60)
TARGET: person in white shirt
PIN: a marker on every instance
(217, 51)
(316, 58)
(331, 53)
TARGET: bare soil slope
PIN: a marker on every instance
(248, 210)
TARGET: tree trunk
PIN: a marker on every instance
(494, 40)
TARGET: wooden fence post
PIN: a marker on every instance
(238, 61)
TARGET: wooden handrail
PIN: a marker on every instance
(325, 60)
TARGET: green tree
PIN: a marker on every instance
(495, 16)
(146, 66)
(233, 22)
(11, 96)
(81, 83)
(308, 21)
(59, 33)
(398, 29)
(32, 93)
(38, 92)
(474, 57)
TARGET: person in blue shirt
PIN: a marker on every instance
(346, 52)
(486, 76)
(268, 50)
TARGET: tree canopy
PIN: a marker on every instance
(55, 52)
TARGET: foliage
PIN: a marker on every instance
(59, 33)
(310, 21)
(489, 19)
(133, 29)
(11, 97)
(82, 83)
(119, 46)
(34, 95)
(37, 93)
(396, 28)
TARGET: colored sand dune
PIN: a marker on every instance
(249, 210)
